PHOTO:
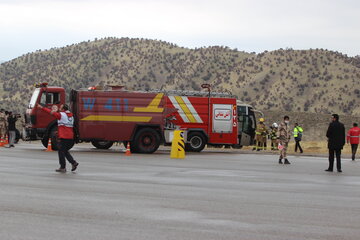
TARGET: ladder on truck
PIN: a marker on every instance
(192, 93)
(170, 92)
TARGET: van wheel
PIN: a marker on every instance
(236, 146)
(196, 142)
(147, 140)
(102, 144)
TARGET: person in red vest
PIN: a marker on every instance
(65, 121)
(353, 137)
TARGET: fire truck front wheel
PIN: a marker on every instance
(45, 142)
(196, 142)
(54, 140)
(147, 140)
(102, 144)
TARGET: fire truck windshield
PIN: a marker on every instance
(34, 97)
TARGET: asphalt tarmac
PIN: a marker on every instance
(216, 194)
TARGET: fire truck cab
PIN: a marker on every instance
(38, 124)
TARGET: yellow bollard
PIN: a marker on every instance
(178, 145)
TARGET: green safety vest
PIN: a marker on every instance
(298, 131)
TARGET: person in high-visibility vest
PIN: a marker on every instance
(261, 133)
(353, 137)
(298, 132)
(65, 122)
(273, 136)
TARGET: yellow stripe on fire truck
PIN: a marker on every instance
(192, 110)
(106, 118)
(153, 105)
(185, 109)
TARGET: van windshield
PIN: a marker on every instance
(246, 119)
(34, 97)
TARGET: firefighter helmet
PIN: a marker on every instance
(275, 125)
(261, 120)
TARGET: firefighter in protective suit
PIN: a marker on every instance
(260, 135)
(273, 136)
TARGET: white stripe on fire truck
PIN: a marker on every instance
(180, 111)
(192, 109)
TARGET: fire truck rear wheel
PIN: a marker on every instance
(102, 144)
(147, 140)
(196, 142)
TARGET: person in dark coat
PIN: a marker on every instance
(336, 141)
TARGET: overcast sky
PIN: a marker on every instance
(248, 25)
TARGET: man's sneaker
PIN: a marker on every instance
(286, 161)
(280, 162)
(74, 166)
(61, 170)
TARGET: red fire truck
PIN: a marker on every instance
(145, 119)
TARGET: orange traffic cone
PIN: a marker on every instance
(2, 143)
(128, 152)
(49, 147)
(6, 140)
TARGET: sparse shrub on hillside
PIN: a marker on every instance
(142, 63)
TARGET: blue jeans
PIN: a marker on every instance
(12, 136)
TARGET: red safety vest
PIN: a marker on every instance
(353, 135)
(65, 123)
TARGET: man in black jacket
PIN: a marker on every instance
(336, 141)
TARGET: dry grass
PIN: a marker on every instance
(309, 147)
(317, 147)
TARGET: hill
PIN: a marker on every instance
(314, 81)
